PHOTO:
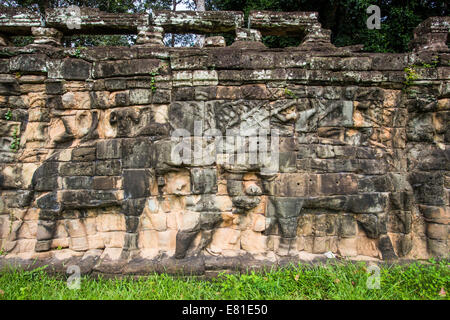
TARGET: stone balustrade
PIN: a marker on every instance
(70, 21)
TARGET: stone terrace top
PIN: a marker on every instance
(49, 28)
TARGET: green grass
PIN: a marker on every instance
(343, 281)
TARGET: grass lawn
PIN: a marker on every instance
(343, 281)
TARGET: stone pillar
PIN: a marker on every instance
(46, 36)
(150, 36)
(243, 34)
(217, 41)
(317, 37)
(431, 34)
(246, 38)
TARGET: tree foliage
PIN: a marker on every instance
(347, 19)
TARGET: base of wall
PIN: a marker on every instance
(99, 262)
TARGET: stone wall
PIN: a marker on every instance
(88, 177)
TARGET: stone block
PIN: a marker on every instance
(108, 167)
(109, 69)
(428, 187)
(347, 226)
(104, 183)
(75, 69)
(109, 149)
(136, 183)
(137, 153)
(77, 182)
(203, 181)
(77, 169)
(29, 63)
(83, 154)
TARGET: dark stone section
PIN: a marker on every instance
(136, 183)
(385, 246)
(75, 69)
(137, 153)
(132, 223)
(45, 178)
(283, 212)
(369, 223)
(104, 183)
(183, 242)
(109, 69)
(83, 154)
(109, 149)
(29, 63)
(48, 201)
(198, 22)
(108, 168)
(203, 181)
(428, 187)
(347, 226)
(133, 207)
(54, 86)
(88, 199)
(77, 169)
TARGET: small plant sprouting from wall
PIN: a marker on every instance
(410, 75)
(8, 115)
(16, 140)
(411, 72)
(77, 52)
(153, 80)
(289, 93)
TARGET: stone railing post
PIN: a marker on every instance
(248, 37)
(243, 34)
(150, 36)
(431, 34)
(216, 41)
(46, 36)
(316, 35)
